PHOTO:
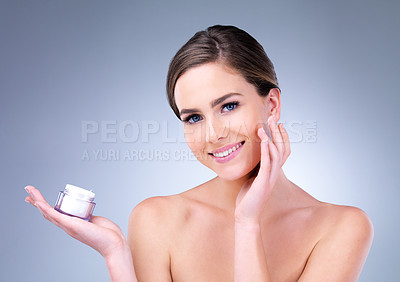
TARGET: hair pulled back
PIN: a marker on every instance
(228, 45)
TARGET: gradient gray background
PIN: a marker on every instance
(66, 62)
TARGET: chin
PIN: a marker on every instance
(232, 173)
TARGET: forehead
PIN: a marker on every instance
(207, 82)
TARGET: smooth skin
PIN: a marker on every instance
(250, 223)
(100, 233)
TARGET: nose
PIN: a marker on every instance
(216, 130)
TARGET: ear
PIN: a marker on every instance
(273, 100)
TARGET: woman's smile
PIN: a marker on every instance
(221, 113)
(227, 153)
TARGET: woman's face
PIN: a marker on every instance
(221, 113)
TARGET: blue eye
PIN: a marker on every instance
(195, 118)
(230, 106)
(192, 119)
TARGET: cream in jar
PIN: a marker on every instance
(76, 201)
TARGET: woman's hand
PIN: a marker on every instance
(254, 194)
(100, 233)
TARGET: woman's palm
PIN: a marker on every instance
(100, 233)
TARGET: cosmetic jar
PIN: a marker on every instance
(76, 201)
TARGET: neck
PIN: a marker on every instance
(229, 189)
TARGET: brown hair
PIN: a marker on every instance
(229, 45)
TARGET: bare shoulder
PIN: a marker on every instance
(152, 204)
(150, 230)
(328, 216)
(157, 210)
(348, 218)
(344, 243)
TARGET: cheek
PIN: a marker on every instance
(246, 124)
(196, 144)
(247, 127)
(193, 137)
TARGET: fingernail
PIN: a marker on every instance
(30, 194)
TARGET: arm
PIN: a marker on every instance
(341, 253)
(148, 238)
(250, 261)
(120, 265)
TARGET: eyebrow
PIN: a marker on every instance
(212, 104)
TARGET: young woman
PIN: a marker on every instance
(250, 223)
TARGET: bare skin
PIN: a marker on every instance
(250, 223)
(201, 234)
(209, 234)
(287, 232)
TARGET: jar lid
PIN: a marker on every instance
(80, 193)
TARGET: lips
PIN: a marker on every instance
(226, 150)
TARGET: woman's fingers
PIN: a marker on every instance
(272, 154)
(286, 142)
(275, 164)
(276, 135)
(281, 139)
(35, 198)
(265, 164)
(100, 233)
(71, 225)
(34, 193)
(29, 200)
(67, 223)
(251, 198)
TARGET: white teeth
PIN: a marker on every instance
(227, 152)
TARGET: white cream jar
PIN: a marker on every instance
(76, 201)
